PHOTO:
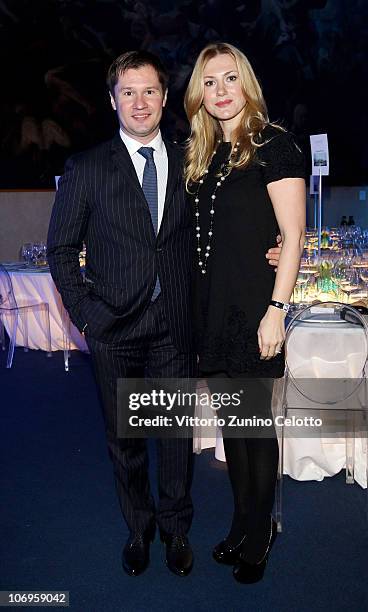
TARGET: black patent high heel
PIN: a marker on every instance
(249, 573)
(227, 554)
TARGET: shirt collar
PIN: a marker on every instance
(133, 145)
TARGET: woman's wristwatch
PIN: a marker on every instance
(281, 305)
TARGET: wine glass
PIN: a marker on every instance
(27, 252)
(363, 272)
(301, 282)
(349, 281)
(311, 289)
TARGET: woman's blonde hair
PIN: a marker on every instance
(205, 129)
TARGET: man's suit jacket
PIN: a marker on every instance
(100, 202)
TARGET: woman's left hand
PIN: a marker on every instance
(271, 333)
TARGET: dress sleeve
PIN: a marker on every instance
(281, 158)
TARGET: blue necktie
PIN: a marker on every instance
(149, 186)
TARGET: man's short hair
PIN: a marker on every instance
(136, 59)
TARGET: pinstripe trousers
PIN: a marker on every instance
(147, 351)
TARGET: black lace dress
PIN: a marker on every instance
(233, 296)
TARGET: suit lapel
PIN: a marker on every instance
(174, 170)
(123, 162)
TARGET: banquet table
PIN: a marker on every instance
(305, 459)
(33, 284)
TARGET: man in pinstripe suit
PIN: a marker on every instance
(125, 199)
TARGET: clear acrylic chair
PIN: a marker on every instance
(326, 361)
(65, 322)
(16, 313)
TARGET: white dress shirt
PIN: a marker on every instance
(161, 162)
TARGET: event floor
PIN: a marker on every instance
(61, 527)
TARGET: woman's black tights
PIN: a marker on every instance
(252, 467)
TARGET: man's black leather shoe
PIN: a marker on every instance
(179, 555)
(136, 551)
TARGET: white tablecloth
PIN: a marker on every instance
(34, 286)
(314, 458)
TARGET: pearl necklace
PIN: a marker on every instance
(225, 170)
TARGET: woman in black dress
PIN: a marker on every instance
(246, 180)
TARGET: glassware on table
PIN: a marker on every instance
(362, 270)
(349, 282)
(39, 254)
(364, 239)
(363, 273)
(344, 260)
(326, 242)
(337, 275)
(82, 256)
(336, 242)
(27, 252)
(301, 282)
(311, 240)
(311, 290)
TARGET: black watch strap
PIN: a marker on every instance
(281, 305)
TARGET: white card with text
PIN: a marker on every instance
(320, 157)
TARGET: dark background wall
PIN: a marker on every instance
(309, 56)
